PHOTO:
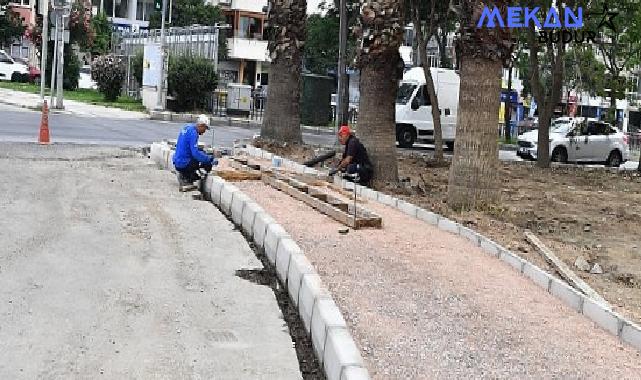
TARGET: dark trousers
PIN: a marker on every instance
(189, 173)
(364, 172)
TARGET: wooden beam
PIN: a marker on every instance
(565, 271)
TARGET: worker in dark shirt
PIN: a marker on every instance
(355, 159)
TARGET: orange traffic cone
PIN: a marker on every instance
(44, 125)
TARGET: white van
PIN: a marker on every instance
(10, 68)
(414, 111)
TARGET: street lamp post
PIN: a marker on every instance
(161, 84)
(341, 75)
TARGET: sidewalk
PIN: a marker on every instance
(32, 101)
(108, 272)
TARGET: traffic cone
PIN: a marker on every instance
(44, 125)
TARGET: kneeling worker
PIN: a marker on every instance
(355, 158)
(188, 159)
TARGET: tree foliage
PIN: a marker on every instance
(187, 13)
(10, 24)
(321, 46)
(190, 80)
(102, 30)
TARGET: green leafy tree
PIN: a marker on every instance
(136, 64)
(187, 13)
(10, 24)
(321, 47)
(619, 42)
(190, 80)
(102, 34)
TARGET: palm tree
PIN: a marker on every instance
(473, 182)
(381, 31)
(286, 31)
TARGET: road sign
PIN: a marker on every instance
(158, 5)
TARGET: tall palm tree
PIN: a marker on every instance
(381, 32)
(473, 182)
(287, 33)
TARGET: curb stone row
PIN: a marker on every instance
(332, 343)
(626, 330)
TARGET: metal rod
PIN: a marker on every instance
(45, 44)
(54, 64)
(161, 84)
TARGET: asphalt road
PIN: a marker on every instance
(108, 272)
(20, 125)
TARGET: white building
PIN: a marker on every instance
(248, 61)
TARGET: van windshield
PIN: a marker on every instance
(404, 94)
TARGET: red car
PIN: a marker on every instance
(34, 72)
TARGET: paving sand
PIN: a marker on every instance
(423, 304)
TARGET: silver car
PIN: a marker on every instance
(580, 140)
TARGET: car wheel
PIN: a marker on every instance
(406, 136)
(560, 155)
(614, 159)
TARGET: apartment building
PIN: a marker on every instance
(248, 57)
(23, 47)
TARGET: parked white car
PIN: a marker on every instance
(84, 80)
(9, 67)
(579, 140)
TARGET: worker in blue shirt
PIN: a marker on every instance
(188, 159)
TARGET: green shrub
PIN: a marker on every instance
(190, 80)
(109, 72)
(71, 68)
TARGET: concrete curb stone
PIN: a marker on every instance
(216, 190)
(299, 266)
(567, 294)
(537, 275)
(249, 215)
(448, 225)
(407, 208)
(226, 197)
(631, 334)
(340, 352)
(606, 319)
(325, 316)
(287, 248)
(262, 220)
(238, 206)
(427, 216)
(311, 290)
(513, 260)
(490, 247)
(354, 373)
(275, 233)
(471, 235)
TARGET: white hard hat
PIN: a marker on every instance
(204, 120)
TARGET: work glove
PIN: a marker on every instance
(214, 162)
(333, 171)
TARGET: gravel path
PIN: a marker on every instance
(422, 303)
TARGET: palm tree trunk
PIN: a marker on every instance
(381, 68)
(543, 138)
(286, 31)
(377, 119)
(473, 175)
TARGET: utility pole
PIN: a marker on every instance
(161, 84)
(44, 9)
(342, 102)
(54, 64)
(61, 62)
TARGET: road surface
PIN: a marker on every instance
(107, 271)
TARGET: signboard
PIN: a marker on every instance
(151, 70)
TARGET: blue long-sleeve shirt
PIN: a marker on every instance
(187, 148)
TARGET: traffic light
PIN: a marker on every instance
(158, 5)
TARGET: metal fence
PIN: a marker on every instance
(197, 41)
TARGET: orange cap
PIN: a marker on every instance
(344, 130)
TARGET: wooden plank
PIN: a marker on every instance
(565, 271)
(318, 204)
